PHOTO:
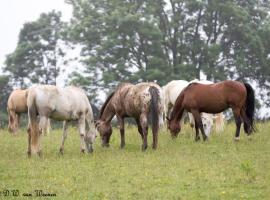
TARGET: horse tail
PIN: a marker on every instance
(156, 113)
(33, 121)
(249, 109)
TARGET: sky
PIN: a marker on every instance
(14, 13)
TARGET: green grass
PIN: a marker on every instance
(178, 169)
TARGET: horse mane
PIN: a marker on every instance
(110, 96)
(105, 104)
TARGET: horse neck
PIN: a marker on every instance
(178, 109)
(108, 112)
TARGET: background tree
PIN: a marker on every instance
(39, 51)
(5, 89)
(134, 40)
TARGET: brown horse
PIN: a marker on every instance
(215, 98)
(137, 101)
(15, 106)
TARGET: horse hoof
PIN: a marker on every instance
(154, 147)
(249, 137)
(105, 145)
(91, 151)
(205, 138)
(29, 154)
(197, 139)
(61, 151)
(144, 148)
(39, 153)
(122, 146)
(83, 151)
(237, 139)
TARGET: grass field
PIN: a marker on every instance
(178, 169)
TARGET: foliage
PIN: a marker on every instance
(38, 54)
(178, 169)
(165, 40)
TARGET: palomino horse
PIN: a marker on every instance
(137, 101)
(172, 90)
(16, 105)
(63, 104)
(215, 98)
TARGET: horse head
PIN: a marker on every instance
(105, 130)
(174, 127)
(90, 138)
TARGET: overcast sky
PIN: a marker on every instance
(14, 13)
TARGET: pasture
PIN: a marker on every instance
(179, 169)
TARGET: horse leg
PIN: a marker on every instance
(43, 124)
(64, 137)
(48, 126)
(12, 121)
(197, 136)
(122, 131)
(81, 124)
(238, 122)
(29, 141)
(198, 124)
(139, 127)
(18, 121)
(143, 121)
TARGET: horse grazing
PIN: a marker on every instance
(172, 90)
(215, 98)
(209, 119)
(137, 101)
(63, 104)
(16, 105)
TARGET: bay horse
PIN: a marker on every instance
(137, 101)
(215, 98)
(172, 90)
(17, 105)
(62, 104)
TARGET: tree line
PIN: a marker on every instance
(135, 40)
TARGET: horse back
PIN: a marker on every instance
(17, 101)
(215, 97)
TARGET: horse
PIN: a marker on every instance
(172, 90)
(208, 119)
(16, 105)
(215, 98)
(62, 104)
(137, 101)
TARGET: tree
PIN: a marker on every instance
(39, 51)
(5, 89)
(135, 40)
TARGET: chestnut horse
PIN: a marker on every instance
(137, 101)
(215, 98)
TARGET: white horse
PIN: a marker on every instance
(63, 104)
(172, 90)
